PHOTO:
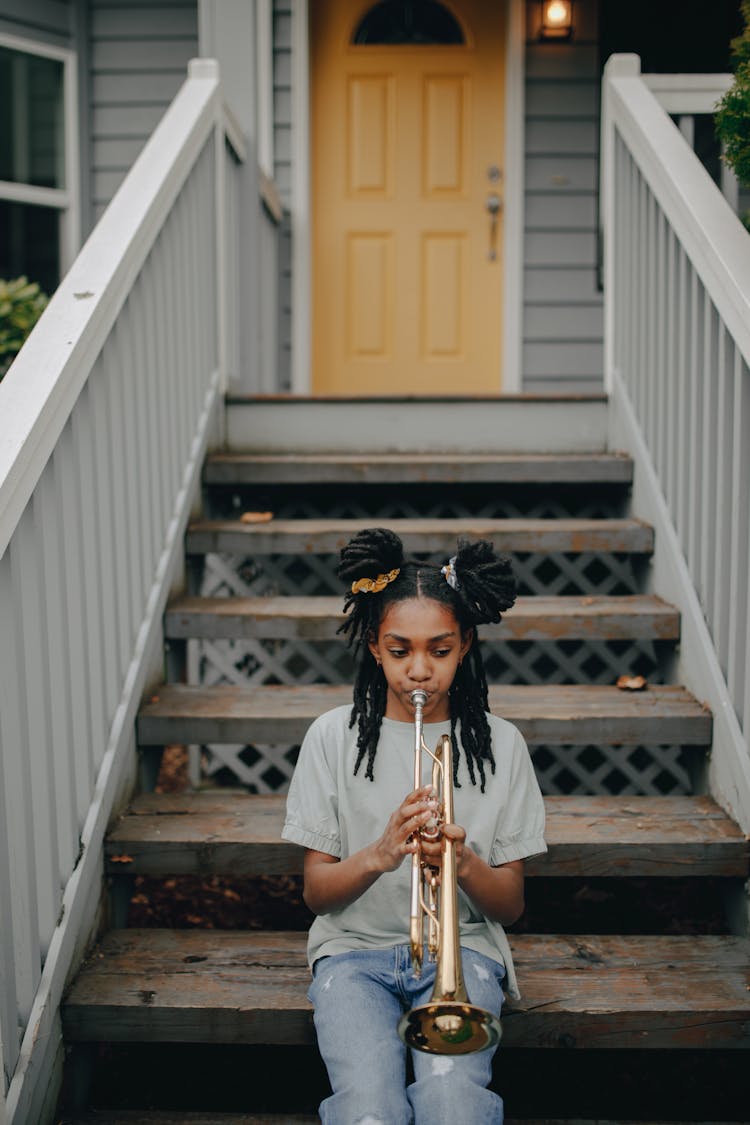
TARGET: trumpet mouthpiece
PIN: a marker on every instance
(418, 697)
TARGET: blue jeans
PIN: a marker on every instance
(358, 1000)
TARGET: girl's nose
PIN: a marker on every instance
(419, 669)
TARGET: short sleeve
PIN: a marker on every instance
(521, 829)
(312, 802)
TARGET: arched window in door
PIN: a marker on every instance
(415, 23)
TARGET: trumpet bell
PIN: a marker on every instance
(449, 1027)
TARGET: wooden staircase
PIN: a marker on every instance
(640, 1008)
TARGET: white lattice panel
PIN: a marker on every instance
(568, 769)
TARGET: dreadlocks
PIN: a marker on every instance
(477, 585)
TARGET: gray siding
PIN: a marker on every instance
(282, 98)
(46, 21)
(562, 314)
(138, 60)
(282, 171)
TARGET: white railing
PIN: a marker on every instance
(677, 349)
(104, 420)
(687, 96)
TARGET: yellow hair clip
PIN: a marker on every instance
(374, 585)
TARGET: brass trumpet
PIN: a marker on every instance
(449, 1024)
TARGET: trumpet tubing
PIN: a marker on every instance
(449, 1024)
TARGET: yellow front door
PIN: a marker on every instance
(407, 152)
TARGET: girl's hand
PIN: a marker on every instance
(398, 838)
(433, 850)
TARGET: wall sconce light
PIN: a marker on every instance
(557, 19)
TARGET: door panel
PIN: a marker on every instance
(407, 142)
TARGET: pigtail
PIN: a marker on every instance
(370, 562)
(485, 584)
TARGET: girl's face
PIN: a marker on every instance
(419, 645)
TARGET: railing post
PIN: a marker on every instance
(209, 68)
(618, 66)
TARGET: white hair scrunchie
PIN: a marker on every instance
(449, 570)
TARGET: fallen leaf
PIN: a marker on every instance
(632, 683)
(256, 517)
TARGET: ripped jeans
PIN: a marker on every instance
(358, 1000)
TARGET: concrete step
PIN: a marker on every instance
(417, 468)
(631, 617)
(555, 714)
(641, 992)
(328, 536)
(556, 423)
(236, 833)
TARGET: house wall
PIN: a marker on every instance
(46, 21)
(563, 308)
(282, 171)
(138, 54)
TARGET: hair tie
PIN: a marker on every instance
(375, 585)
(449, 570)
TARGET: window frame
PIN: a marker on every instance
(65, 200)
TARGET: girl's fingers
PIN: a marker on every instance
(455, 832)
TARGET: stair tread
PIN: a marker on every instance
(230, 832)
(328, 536)
(250, 987)
(632, 616)
(183, 1117)
(555, 713)
(402, 468)
(164, 1117)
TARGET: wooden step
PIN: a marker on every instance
(417, 468)
(632, 617)
(325, 537)
(578, 991)
(164, 1117)
(558, 714)
(234, 833)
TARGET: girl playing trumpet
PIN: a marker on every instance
(353, 807)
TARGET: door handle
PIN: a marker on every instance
(493, 205)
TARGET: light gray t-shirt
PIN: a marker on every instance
(330, 810)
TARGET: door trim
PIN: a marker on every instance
(301, 327)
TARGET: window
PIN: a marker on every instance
(414, 23)
(38, 162)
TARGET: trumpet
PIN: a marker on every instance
(449, 1024)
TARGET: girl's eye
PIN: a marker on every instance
(397, 651)
(442, 652)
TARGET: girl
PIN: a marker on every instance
(352, 806)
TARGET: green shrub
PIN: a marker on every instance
(21, 304)
(733, 111)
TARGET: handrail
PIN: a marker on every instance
(105, 417)
(711, 234)
(43, 383)
(688, 93)
(677, 369)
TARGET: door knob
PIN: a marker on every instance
(493, 203)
